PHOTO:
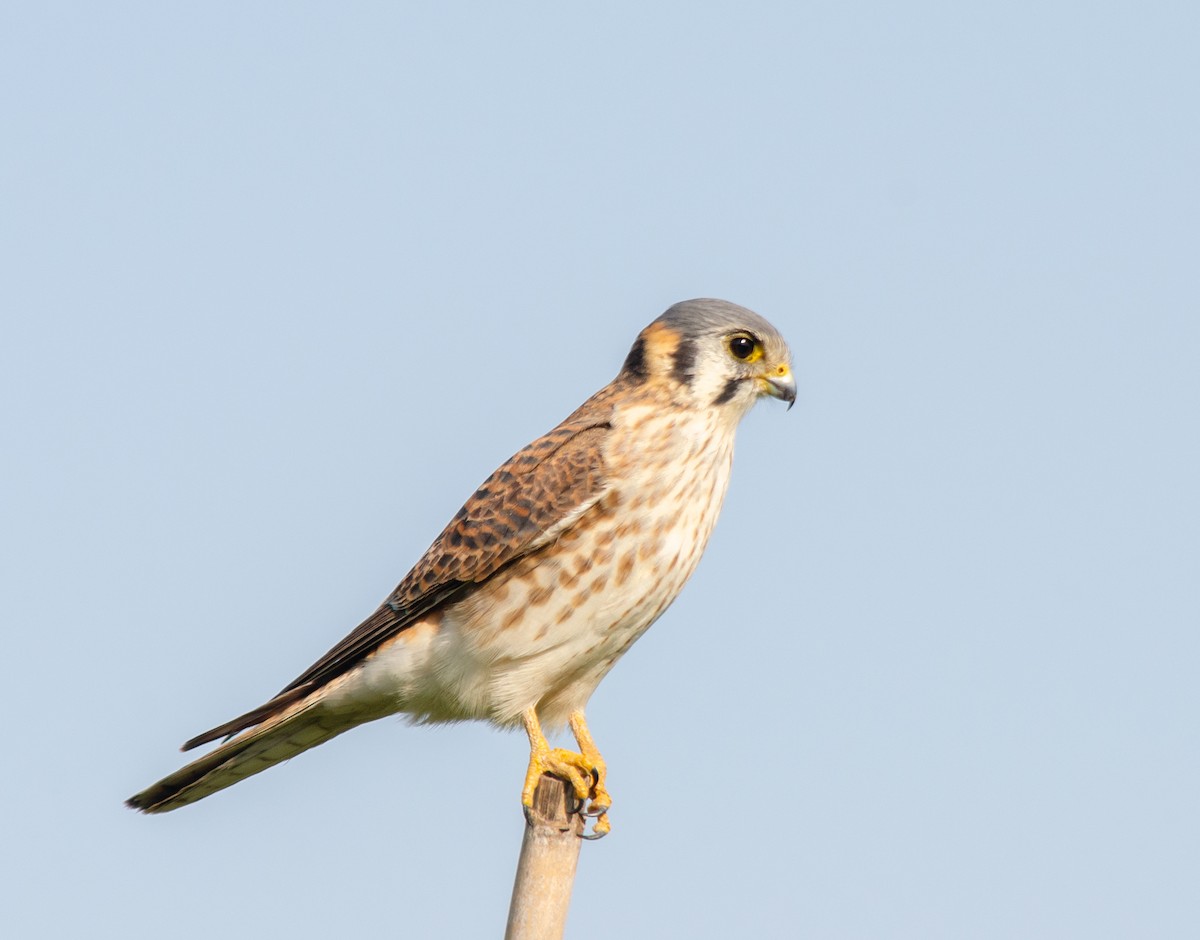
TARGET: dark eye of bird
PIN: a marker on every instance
(741, 346)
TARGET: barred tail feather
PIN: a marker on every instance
(303, 725)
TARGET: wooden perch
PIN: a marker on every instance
(546, 869)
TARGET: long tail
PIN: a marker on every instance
(296, 728)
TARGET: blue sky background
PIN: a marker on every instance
(283, 282)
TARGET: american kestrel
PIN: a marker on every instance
(553, 568)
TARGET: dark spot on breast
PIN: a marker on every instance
(512, 618)
(625, 568)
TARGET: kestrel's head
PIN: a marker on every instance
(713, 354)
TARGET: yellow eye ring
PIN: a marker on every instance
(745, 348)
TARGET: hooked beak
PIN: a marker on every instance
(781, 386)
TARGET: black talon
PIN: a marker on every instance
(577, 805)
(593, 836)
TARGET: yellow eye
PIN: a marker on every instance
(745, 348)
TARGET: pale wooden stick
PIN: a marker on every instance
(546, 869)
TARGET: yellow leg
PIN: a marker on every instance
(584, 771)
(600, 800)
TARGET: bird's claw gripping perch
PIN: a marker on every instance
(583, 772)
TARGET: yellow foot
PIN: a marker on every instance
(600, 800)
(584, 771)
(571, 767)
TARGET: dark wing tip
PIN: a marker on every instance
(254, 717)
(143, 802)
